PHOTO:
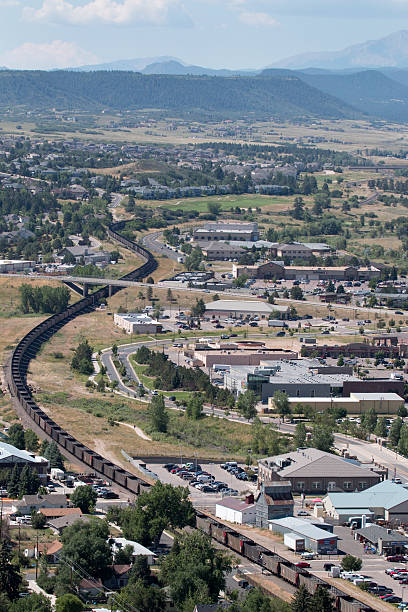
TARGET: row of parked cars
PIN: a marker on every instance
(199, 479)
(384, 593)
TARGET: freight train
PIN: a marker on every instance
(27, 350)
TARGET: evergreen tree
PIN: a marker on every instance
(302, 600)
(10, 577)
(322, 601)
(194, 409)
(395, 431)
(381, 428)
(31, 441)
(16, 436)
(300, 435)
(51, 452)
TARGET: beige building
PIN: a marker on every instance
(137, 323)
(220, 251)
(231, 357)
(226, 231)
(357, 403)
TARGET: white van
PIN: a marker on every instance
(204, 478)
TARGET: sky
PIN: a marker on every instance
(43, 34)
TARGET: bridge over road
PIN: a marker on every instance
(86, 281)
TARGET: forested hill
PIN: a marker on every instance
(281, 96)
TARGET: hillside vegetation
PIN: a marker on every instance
(281, 96)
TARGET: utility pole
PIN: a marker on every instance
(36, 560)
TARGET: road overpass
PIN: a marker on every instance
(86, 281)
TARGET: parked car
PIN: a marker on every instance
(302, 564)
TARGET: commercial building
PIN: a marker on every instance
(230, 356)
(242, 309)
(134, 323)
(299, 378)
(226, 231)
(384, 541)
(273, 270)
(310, 470)
(15, 265)
(221, 251)
(234, 510)
(355, 349)
(386, 500)
(356, 403)
(274, 501)
(11, 456)
(316, 540)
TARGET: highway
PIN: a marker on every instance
(152, 243)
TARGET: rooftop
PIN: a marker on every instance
(227, 227)
(7, 452)
(386, 494)
(310, 462)
(249, 306)
(234, 504)
(373, 533)
(304, 528)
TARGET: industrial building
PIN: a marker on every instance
(134, 323)
(316, 539)
(310, 470)
(239, 357)
(8, 266)
(233, 230)
(300, 378)
(386, 500)
(220, 251)
(11, 456)
(356, 403)
(274, 501)
(274, 270)
(234, 510)
(384, 541)
(242, 309)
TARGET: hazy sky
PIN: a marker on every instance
(216, 33)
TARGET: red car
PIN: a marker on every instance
(302, 564)
(396, 558)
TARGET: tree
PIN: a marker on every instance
(164, 506)
(322, 601)
(350, 563)
(214, 208)
(297, 211)
(31, 441)
(84, 497)
(240, 281)
(10, 577)
(402, 411)
(296, 293)
(256, 601)
(69, 603)
(300, 435)
(194, 570)
(50, 451)
(281, 402)
(38, 520)
(16, 436)
(194, 409)
(85, 544)
(82, 359)
(302, 600)
(141, 597)
(199, 308)
(395, 431)
(322, 437)
(140, 570)
(159, 417)
(32, 603)
(149, 293)
(369, 420)
(340, 361)
(246, 404)
(115, 349)
(403, 441)
(381, 428)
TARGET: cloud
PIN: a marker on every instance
(112, 12)
(257, 19)
(42, 56)
(344, 9)
(4, 3)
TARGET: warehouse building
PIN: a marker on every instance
(234, 510)
(310, 470)
(220, 251)
(9, 266)
(386, 500)
(11, 456)
(356, 403)
(274, 270)
(315, 538)
(242, 309)
(134, 323)
(209, 232)
(208, 358)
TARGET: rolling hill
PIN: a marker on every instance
(281, 96)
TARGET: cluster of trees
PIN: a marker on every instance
(22, 481)
(82, 360)
(22, 439)
(320, 601)
(50, 451)
(45, 299)
(170, 377)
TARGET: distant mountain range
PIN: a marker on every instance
(134, 65)
(391, 51)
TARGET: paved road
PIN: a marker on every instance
(152, 242)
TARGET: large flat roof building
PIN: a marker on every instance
(135, 323)
(313, 471)
(240, 309)
(11, 456)
(316, 539)
(356, 403)
(226, 231)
